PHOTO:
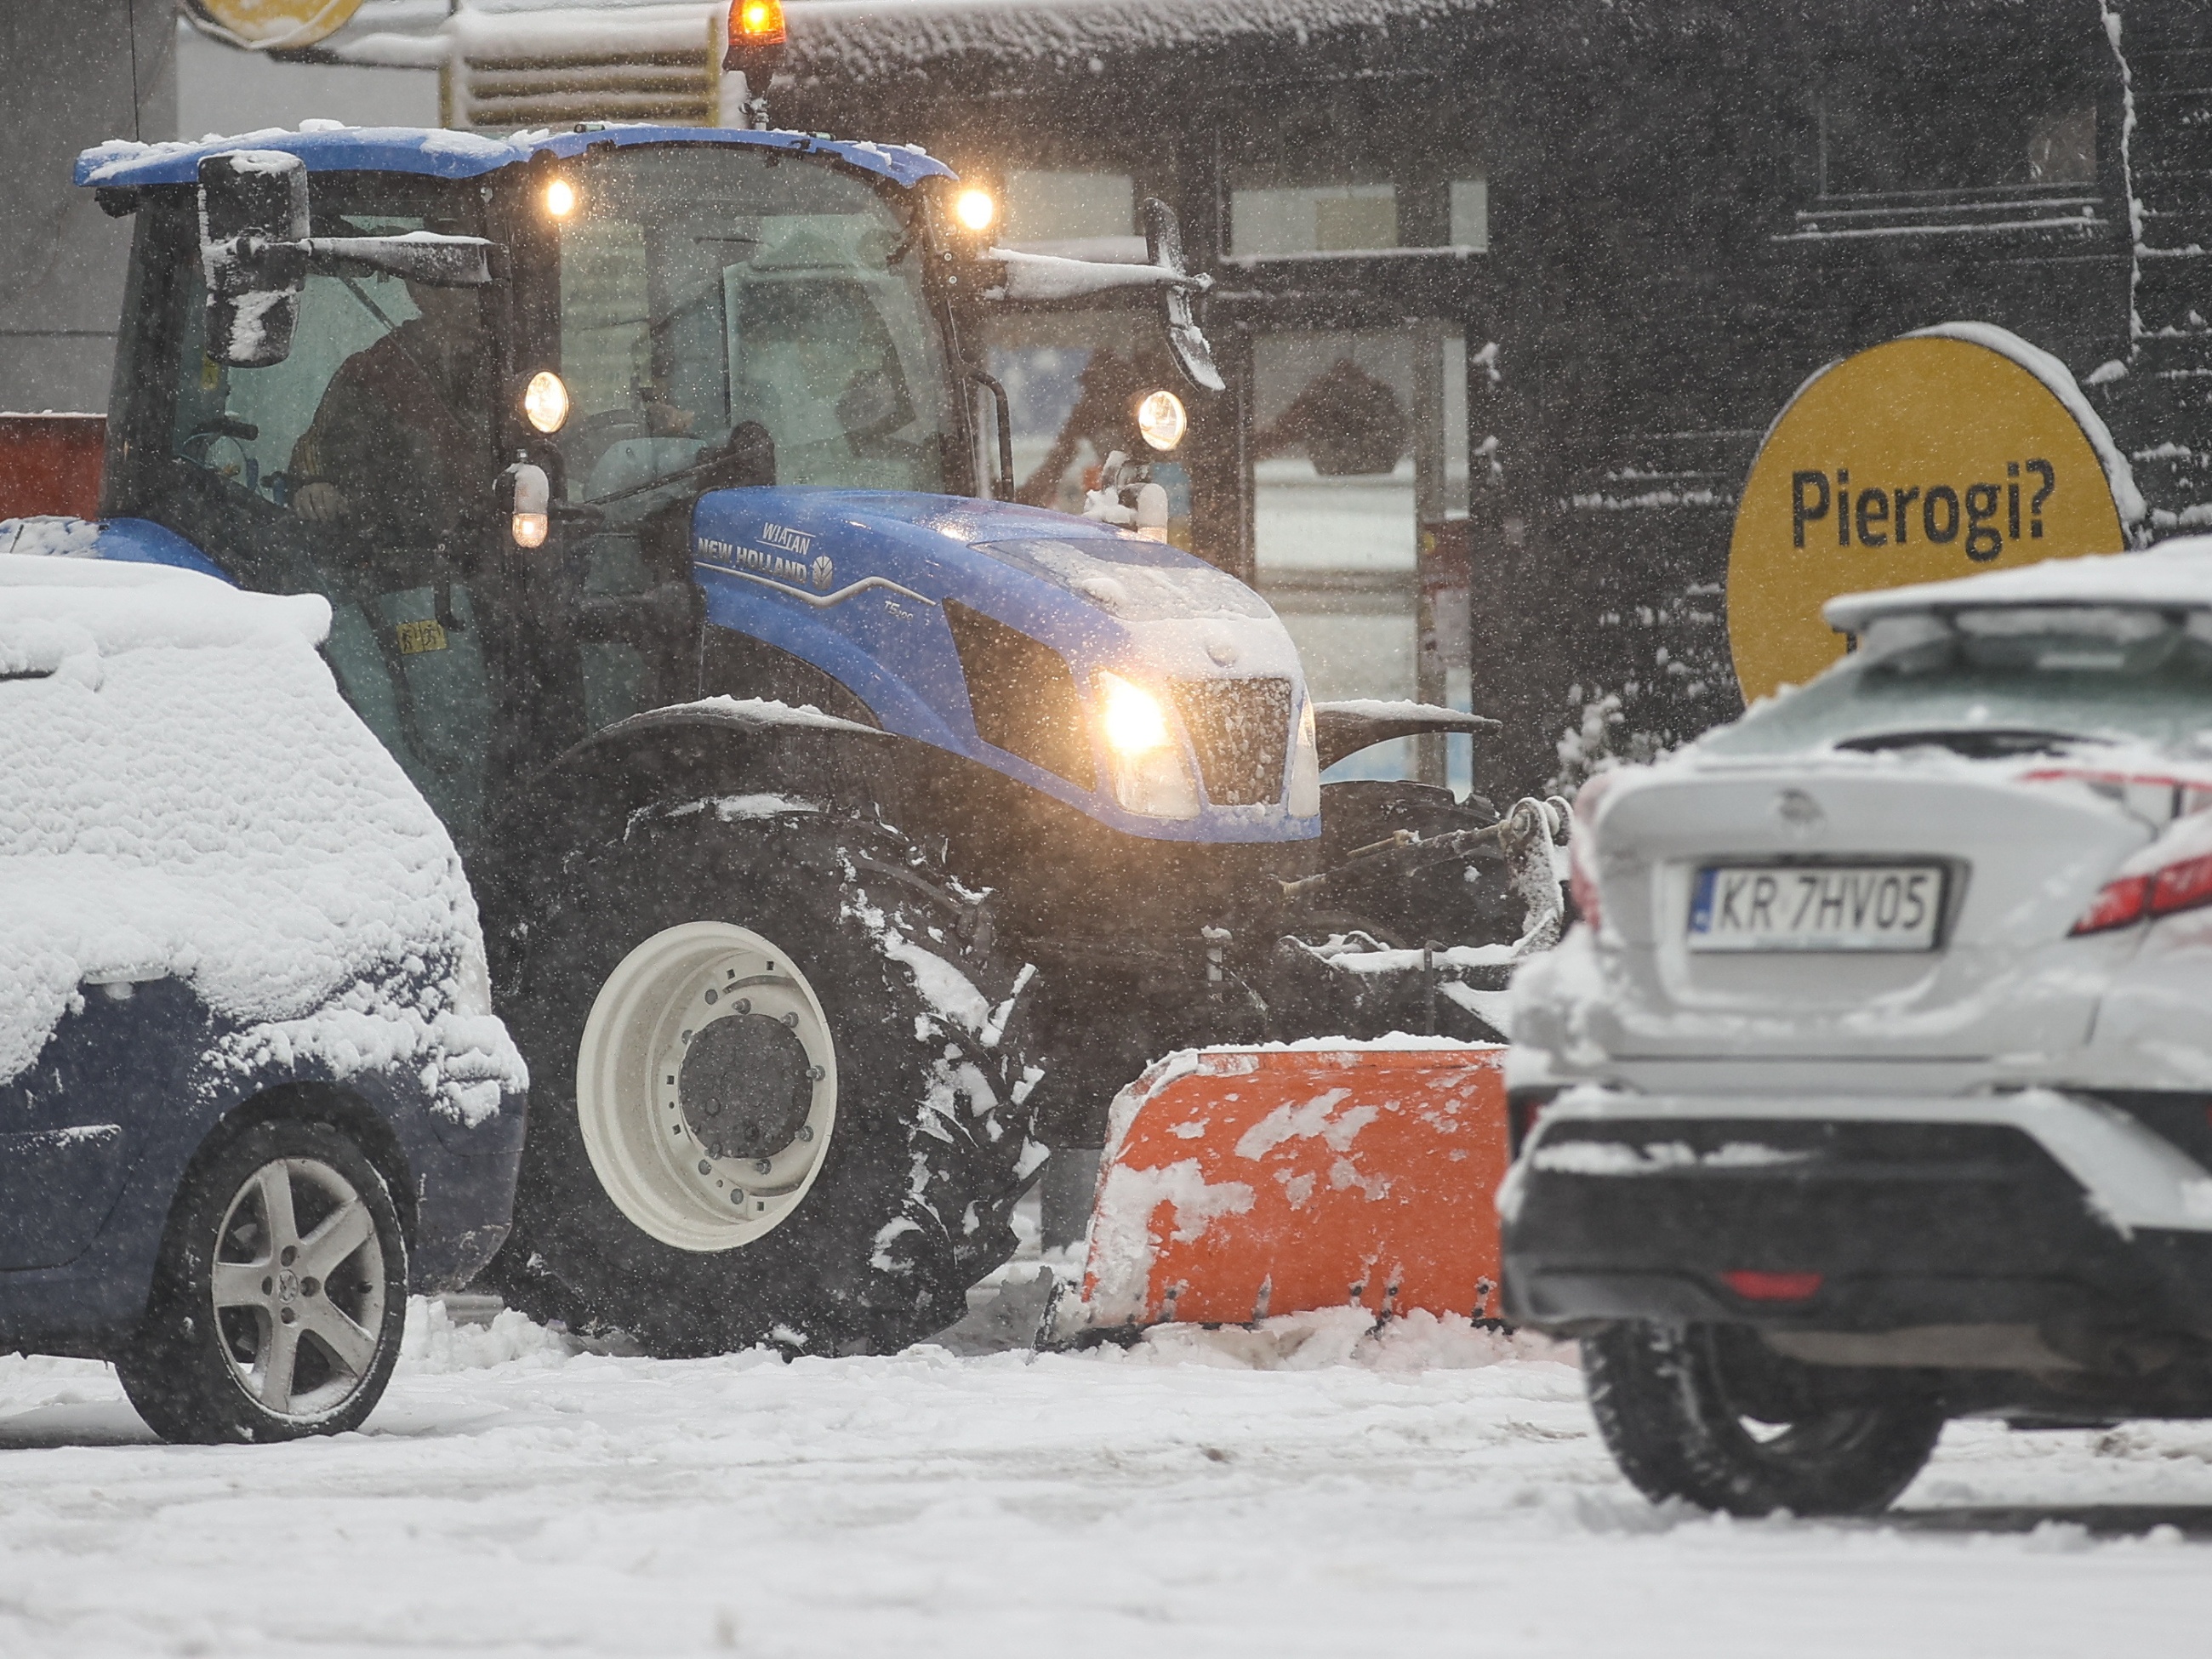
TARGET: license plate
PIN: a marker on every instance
(1798, 907)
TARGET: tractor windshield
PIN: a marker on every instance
(702, 287)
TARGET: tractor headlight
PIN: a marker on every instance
(1305, 768)
(1151, 774)
(545, 401)
(975, 209)
(1161, 419)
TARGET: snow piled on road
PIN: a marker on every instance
(1306, 1489)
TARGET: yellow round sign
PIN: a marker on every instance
(273, 25)
(1925, 458)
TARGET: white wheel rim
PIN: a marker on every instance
(713, 1171)
(298, 1285)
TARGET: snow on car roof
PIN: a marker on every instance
(332, 146)
(136, 607)
(184, 794)
(2176, 572)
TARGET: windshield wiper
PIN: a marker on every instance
(744, 460)
(1974, 742)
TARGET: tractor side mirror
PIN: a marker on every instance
(1187, 343)
(256, 254)
(253, 223)
(1012, 277)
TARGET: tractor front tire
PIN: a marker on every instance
(775, 1089)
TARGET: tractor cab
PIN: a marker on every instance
(651, 312)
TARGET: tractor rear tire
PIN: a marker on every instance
(1702, 1415)
(776, 1088)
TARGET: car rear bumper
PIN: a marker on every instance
(2031, 1209)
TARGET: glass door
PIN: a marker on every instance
(1359, 452)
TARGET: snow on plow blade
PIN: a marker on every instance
(1241, 1183)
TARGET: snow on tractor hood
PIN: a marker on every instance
(1088, 589)
(184, 794)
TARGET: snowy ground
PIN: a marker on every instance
(1300, 1491)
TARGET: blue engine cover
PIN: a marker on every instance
(856, 582)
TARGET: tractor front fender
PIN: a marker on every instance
(691, 755)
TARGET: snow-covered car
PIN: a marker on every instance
(250, 1087)
(1872, 1089)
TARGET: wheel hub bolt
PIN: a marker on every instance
(705, 1168)
(737, 1197)
(310, 1286)
(288, 1314)
(792, 1020)
(806, 1132)
(762, 1166)
(744, 1005)
(291, 1254)
(815, 1074)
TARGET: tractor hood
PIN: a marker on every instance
(933, 610)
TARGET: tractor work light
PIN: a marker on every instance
(545, 401)
(560, 198)
(532, 505)
(975, 209)
(1161, 420)
(756, 37)
(1303, 796)
(1151, 774)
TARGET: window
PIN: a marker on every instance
(1073, 380)
(1922, 125)
(1065, 206)
(701, 287)
(1269, 222)
(1335, 530)
(1359, 166)
(359, 468)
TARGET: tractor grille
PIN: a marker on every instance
(1242, 732)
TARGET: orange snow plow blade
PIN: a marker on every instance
(1241, 1183)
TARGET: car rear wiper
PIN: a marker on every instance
(1974, 742)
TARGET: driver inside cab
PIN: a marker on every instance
(387, 458)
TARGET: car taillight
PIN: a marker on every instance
(1753, 1285)
(1582, 848)
(2126, 900)
(1522, 1108)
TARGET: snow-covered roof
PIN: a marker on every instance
(332, 146)
(863, 40)
(2175, 574)
(185, 795)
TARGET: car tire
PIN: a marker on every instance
(1671, 1404)
(280, 1295)
(777, 1076)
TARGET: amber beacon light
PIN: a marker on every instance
(756, 37)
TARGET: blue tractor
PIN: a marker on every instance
(845, 833)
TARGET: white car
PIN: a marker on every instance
(1872, 1088)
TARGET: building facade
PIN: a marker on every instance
(1509, 292)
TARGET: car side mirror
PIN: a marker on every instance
(256, 254)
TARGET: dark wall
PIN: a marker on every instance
(68, 80)
(1693, 208)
